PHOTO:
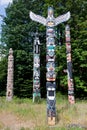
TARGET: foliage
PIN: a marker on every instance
(16, 34)
(3, 75)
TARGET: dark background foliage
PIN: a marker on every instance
(17, 34)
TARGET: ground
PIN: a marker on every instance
(23, 114)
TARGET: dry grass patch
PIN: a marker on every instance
(23, 114)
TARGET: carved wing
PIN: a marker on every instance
(62, 18)
(37, 18)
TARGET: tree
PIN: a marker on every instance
(78, 25)
(15, 34)
(3, 76)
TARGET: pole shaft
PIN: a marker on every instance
(50, 65)
(9, 93)
(69, 66)
(36, 70)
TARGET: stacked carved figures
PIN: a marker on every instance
(69, 67)
(50, 22)
(50, 66)
(36, 70)
(9, 93)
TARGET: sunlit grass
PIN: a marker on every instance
(23, 114)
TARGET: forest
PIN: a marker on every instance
(18, 33)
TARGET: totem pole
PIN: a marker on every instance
(9, 93)
(36, 69)
(50, 22)
(69, 67)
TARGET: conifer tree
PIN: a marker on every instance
(16, 34)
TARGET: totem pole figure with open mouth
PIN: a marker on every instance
(50, 22)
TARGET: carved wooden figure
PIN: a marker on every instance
(9, 92)
(36, 69)
(71, 98)
(50, 22)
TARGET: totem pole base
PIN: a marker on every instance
(36, 97)
(51, 121)
(8, 98)
(9, 95)
(71, 99)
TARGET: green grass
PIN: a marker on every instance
(23, 114)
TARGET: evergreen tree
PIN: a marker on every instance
(3, 76)
(78, 26)
(15, 34)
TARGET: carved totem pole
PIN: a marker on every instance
(69, 66)
(50, 22)
(36, 69)
(9, 92)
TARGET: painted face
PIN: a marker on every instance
(48, 58)
(51, 85)
(51, 53)
(36, 73)
(50, 66)
(36, 84)
(50, 41)
(51, 76)
(50, 31)
(36, 61)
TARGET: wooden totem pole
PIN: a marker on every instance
(36, 69)
(50, 22)
(9, 92)
(71, 98)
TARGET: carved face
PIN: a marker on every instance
(36, 74)
(50, 66)
(36, 61)
(51, 76)
(50, 31)
(48, 58)
(50, 41)
(51, 52)
(36, 84)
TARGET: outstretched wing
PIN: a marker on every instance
(62, 18)
(37, 18)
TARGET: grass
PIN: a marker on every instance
(23, 114)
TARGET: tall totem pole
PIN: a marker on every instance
(36, 69)
(50, 22)
(69, 66)
(9, 92)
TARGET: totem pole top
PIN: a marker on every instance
(50, 12)
(10, 51)
(67, 27)
(45, 21)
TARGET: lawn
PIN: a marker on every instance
(23, 114)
